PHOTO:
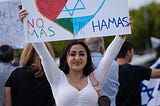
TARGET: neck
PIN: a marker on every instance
(122, 61)
(75, 75)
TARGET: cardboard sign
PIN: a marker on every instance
(11, 29)
(54, 20)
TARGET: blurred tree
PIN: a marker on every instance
(139, 28)
(58, 47)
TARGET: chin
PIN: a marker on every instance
(77, 69)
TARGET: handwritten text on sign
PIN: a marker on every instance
(11, 29)
(85, 19)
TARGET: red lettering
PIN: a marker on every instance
(39, 23)
(30, 23)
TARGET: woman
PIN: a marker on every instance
(27, 85)
(70, 83)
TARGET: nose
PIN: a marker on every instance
(77, 57)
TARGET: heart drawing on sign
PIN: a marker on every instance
(72, 15)
(50, 8)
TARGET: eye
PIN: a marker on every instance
(82, 54)
(72, 54)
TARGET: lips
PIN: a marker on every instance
(77, 63)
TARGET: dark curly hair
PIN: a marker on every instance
(89, 67)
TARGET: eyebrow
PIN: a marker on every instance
(78, 51)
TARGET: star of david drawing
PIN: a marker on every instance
(78, 5)
(148, 91)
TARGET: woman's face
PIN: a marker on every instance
(77, 58)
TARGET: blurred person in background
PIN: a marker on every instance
(156, 52)
(6, 58)
(131, 76)
(28, 85)
(110, 87)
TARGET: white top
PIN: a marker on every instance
(64, 93)
(111, 85)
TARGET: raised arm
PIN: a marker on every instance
(50, 67)
(155, 73)
(103, 69)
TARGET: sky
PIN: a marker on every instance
(135, 4)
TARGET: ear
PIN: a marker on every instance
(128, 53)
(101, 50)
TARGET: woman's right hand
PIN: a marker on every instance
(22, 14)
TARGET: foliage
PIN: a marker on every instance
(58, 46)
(146, 23)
